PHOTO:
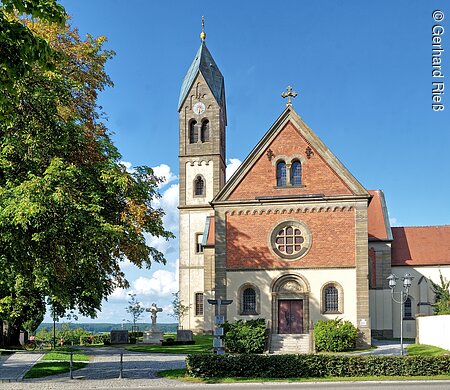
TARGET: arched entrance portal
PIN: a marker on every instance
(290, 305)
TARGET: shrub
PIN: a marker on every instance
(314, 366)
(92, 339)
(335, 335)
(245, 336)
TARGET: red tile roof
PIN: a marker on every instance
(421, 245)
(211, 232)
(378, 221)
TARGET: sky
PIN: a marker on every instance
(362, 71)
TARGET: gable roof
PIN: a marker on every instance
(379, 228)
(421, 245)
(205, 64)
(289, 115)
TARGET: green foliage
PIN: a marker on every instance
(70, 212)
(442, 296)
(20, 48)
(71, 336)
(42, 369)
(93, 339)
(308, 365)
(335, 335)
(245, 336)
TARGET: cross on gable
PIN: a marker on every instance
(288, 94)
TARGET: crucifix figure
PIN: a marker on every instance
(154, 310)
(288, 94)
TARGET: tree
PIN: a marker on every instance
(179, 309)
(442, 295)
(135, 309)
(20, 48)
(70, 212)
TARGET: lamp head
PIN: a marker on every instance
(392, 280)
(407, 279)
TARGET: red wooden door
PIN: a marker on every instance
(290, 316)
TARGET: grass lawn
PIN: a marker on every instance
(42, 369)
(202, 344)
(56, 355)
(426, 350)
(180, 374)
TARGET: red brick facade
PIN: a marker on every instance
(317, 176)
(333, 240)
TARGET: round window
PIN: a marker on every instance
(291, 239)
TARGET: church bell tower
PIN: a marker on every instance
(202, 122)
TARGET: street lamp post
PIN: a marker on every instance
(404, 292)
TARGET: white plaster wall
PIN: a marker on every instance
(204, 168)
(191, 282)
(380, 304)
(433, 330)
(429, 272)
(316, 279)
(191, 223)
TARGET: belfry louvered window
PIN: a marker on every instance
(205, 131)
(193, 133)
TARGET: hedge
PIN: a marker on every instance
(314, 366)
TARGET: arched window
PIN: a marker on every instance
(199, 186)
(193, 134)
(249, 301)
(205, 131)
(281, 174)
(296, 173)
(331, 299)
(407, 308)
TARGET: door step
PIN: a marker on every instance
(290, 344)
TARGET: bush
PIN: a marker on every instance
(335, 335)
(245, 336)
(92, 339)
(314, 366)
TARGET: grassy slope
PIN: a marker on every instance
(42, 369)
(426, 350)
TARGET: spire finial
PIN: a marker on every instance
(203, 34)
(288, 94)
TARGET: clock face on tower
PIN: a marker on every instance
(199, 108)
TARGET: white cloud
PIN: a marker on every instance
(162, 284)
(119, 294)
(232, 165)
(164, 171)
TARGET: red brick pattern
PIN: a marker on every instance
(333, 240)
(317, 176)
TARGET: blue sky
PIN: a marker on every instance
(362, 69)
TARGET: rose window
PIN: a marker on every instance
(291, 239)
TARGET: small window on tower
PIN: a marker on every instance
(199, 243)
(199, 186)
(198, 304)
(205, 130)
(193, 133)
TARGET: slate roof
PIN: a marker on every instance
(421, 245)
(204, 63)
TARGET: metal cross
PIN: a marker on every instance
(288, 94)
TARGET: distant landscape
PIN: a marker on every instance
(107, 327)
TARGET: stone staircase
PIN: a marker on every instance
(289, 343)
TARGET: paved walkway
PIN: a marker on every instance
(14, 367)
(386, 347)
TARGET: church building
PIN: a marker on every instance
(292, 236)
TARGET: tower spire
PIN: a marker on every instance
(203, 34)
